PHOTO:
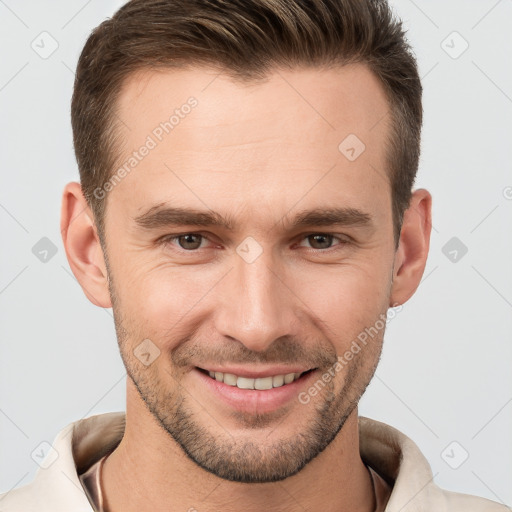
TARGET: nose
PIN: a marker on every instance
(257, 304)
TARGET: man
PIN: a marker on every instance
(246, 209)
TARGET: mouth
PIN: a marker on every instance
(253, 391)
(261, 383)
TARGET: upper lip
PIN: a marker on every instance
(255, 373)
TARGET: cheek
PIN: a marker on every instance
(347, 298)
(159, 302)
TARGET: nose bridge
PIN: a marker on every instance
(257, 307)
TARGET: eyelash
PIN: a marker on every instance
(167, 240)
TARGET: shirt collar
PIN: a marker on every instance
(392, 454)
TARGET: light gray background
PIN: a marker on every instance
(445, 373)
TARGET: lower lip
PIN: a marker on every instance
(254, 400)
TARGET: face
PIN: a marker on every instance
(243, 243)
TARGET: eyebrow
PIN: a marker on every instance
(161, 216)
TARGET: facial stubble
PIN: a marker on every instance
(238, 458)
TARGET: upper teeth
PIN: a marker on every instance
(261, 383)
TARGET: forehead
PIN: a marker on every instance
(328, 100)
(215, 141)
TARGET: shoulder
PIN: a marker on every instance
(466, 502)
(400, 462)
(56, 486)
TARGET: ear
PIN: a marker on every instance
(412, 252)
(82, 245)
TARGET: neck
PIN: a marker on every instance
(149, 470)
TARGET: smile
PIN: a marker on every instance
(260, 383)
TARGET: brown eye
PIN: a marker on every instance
(320, 241)
(190, 241)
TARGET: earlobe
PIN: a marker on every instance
(82, 245)
(411, 255)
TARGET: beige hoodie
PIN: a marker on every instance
(57, 487)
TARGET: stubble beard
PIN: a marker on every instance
(241, 459)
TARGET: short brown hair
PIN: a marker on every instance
(245, 39)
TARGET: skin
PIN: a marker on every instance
(260, 154)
